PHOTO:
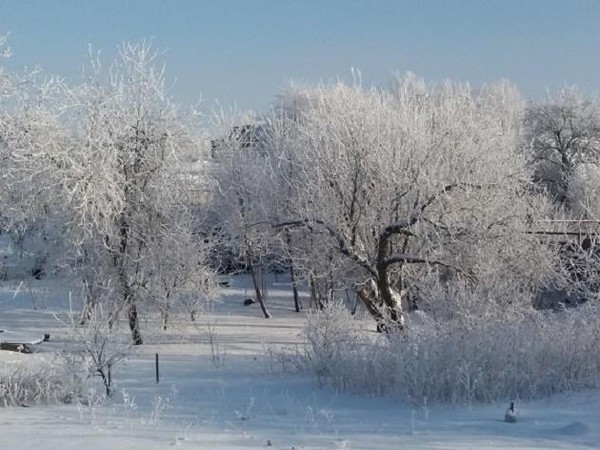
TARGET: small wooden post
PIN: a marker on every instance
(156, 364)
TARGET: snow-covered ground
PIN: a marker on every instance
(230, 395)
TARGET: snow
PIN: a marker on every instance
(233, 396)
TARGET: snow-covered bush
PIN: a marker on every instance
(99, 345)
(332, 336)
(28, 385)
(531, 356)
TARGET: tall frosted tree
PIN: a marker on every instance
(396, 182)
(242, 201)
(29, 127)
(562, 141)
(114, 170)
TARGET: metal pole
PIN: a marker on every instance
(156, 364)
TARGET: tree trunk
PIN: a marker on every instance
(391, 301)
(167, 307)
(313, 293)
(383, 303)
(165, 318)
(316, 293)
(390, 298)
(369, 299)
(263, 281)
(86, 313)
(134, 325)
(129, 303)
(297, 303)
(128, 299)
(257, 289)
(106, 380)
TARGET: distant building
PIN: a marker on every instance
(250, 136)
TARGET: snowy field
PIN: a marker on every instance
(232, 395)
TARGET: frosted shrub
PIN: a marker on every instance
(332, 338)
(526, 357)
(28, 386)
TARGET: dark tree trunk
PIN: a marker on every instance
(165, 319)
(316, 293)
(86, 313)
(134, 325)
(313, 293)
(257, 288)
(297, 303)
(128, 300)
(391, 301)
(392, 304)
(132, 313)
(106, 379)
(368, 298)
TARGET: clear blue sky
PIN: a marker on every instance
(244, 51)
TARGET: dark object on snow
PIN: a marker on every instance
(249, 302)
(224, 281)
(46, 337)
(15, 347)
(38, 271)
(511, 414)
(14, 342)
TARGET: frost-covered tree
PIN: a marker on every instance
(113, 170)
(562, 135)
(563, 149)
(243, 199)
(29, 126)
(131, 197)
(419, 178)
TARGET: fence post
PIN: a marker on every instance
(156, 364)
